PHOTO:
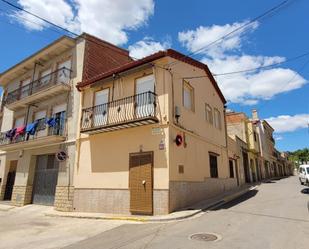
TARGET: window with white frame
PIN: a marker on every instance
(217, 118)
(208, 114)
(188, 96)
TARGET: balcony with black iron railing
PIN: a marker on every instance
(43, 134)
(44, 87)
(136, 110)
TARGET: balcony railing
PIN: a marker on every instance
(128, 112)
(42, 130)
(60, 76)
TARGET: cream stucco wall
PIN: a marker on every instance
(104, 158)
(201, 137)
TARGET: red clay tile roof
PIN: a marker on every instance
(170, 52)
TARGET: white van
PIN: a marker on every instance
(304, 174)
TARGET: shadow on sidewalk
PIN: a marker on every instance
(269, 181)
(305, 191)
(238, 200)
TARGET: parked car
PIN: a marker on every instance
(304, 174)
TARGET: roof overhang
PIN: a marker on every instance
(52, 50)
(122, 74)
(149, 60)
(268, 125)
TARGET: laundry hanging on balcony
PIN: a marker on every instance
(11, 133)
(20, 131)
(52, 122)
(31, 128)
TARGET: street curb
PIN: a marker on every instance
(6, 209)
(211, 206)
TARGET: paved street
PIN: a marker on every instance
(275, 216)
(28, 227)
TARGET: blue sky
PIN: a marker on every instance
(144, 26)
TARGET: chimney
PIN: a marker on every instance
(255, 115)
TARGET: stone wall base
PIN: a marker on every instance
(185, 193)
(115, 201)
(22, 195)
(2, 191)
(64, 198)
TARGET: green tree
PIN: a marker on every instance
(300, 156)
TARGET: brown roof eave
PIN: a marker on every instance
(120, 69)
(170, 52)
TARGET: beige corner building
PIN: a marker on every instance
(40, 119)
(152, 138)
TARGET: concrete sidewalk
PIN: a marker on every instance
(178, 215)
(6, 206)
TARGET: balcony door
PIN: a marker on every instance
(19, 122)
(59, 114)
(63, 74)
(144, 96)
(100, 110)
(40, 116)
(25, 88)
(43, 81)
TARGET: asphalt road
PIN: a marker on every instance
(273, 216)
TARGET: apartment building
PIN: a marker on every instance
(240, 126)
(152, 138)
(264, 159)
(236, 151)
(268, 152)
(40, 118)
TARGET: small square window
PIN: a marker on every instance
(188, 96)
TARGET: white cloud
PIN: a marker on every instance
(247, 88)
(278, 137)
(57, 11)
(287, 123)
(146, 47)
(195, 40)
(110, 19)
(107, 19)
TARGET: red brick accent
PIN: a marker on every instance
(235, 117)
(101, 56)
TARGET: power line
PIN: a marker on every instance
(263, 67)
(30, 21)
(253, 69)
(273, 9)
(41, 18)
(295, 73)
(61, 28)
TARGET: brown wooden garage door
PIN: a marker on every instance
(141, 183)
